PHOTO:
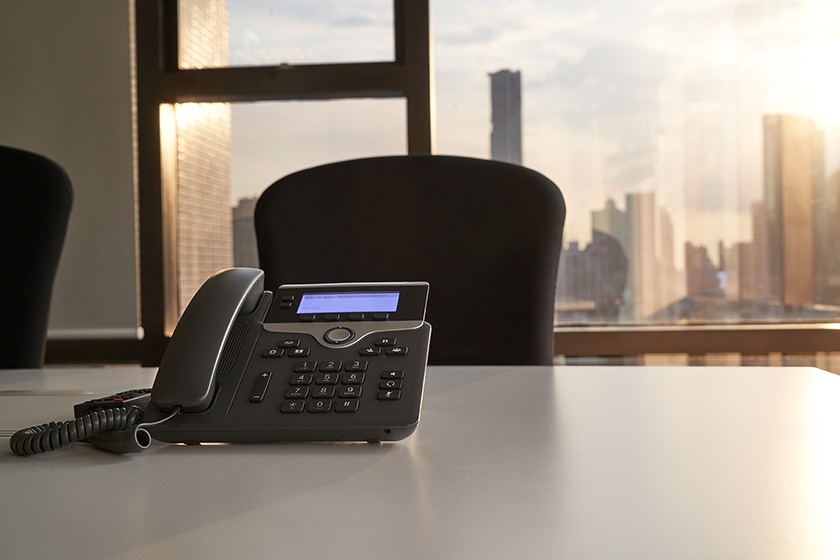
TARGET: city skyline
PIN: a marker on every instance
(665, 122)
(789, 268)
(633, 270)
(606, 111)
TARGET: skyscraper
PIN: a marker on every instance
(793, 177)
(645, 235)
(760, 277)
(700, 273)
(506, 103)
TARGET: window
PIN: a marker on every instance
(696, 144)
(237, 94)
(271, 33)
(229, 153)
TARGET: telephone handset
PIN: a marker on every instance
(314, 362)
(187, 371)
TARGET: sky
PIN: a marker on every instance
(618, 97)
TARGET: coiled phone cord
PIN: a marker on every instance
(115, 429)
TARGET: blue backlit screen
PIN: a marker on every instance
(349, 302)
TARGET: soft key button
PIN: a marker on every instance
(339, 335)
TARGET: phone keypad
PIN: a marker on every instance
(330, 386)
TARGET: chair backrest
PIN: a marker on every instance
(486, 235)
(35, 201)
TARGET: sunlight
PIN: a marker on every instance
(821, 53)
(187, 113)
(803, 75)
(824, 79)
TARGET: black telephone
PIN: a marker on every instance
(315, 362)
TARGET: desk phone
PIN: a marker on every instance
(314, 362)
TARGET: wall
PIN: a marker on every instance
(66, 92)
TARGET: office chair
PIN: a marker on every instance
(486, 235)
(36, 196)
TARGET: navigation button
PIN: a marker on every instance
(339, 335)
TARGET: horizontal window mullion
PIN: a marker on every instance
(341, 81)
(695, 340)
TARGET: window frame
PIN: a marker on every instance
(697, 340)
(161, 84)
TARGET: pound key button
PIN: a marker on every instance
(349, 405)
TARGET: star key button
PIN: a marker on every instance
(292, 407)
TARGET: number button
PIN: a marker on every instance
(356, 365)
(302, 379)
(320, 406)
(326, 379)
(305, 367)
(297, 392)
(325, 392)
(330, 366)
(350, 392)
(354, 378)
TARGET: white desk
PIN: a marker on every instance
(572, 462)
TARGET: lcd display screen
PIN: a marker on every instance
(350, 302)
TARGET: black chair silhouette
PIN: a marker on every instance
(37, 196)
(486, 235)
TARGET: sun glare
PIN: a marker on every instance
(820, 54)
(804, 75)
(187, 113)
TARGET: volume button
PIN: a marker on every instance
(260, 387)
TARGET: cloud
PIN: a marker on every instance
(616, 85)
(471, 36)
(315, 31)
